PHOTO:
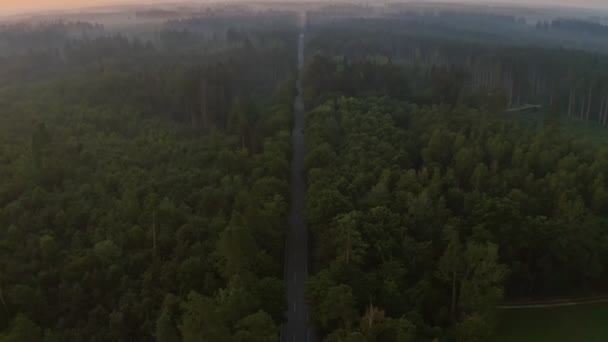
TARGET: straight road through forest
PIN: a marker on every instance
(296, 248)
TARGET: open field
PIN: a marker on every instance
(577, 323)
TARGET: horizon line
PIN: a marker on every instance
(117, 4)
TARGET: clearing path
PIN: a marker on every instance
(554, 303)
(296, 248)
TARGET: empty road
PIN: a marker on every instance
(296, 248)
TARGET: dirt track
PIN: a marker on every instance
(553, 303)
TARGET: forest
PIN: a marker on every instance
(571, 82)
(427, 207)
(143, 188)
(147, 168)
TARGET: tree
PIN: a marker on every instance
(48, 248)
(348, 243)
(344, 335)
(201, 321)
(236, 247)
(379, 194)
(474, 275)
(338, 305)
(398, 330)
(372, 323)
(23, 330)
(271, 293)
(129, 205)
(450, 266)
(166, 324)
(107, 251)
(235, 301)
(41, 138)
(257, 327)
(481, 286)
(325, 205)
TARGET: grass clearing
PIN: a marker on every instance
(577, 323)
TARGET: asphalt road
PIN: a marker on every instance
(296, 250)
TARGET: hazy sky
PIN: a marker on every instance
(16, 6)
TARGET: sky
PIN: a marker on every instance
(20, 6)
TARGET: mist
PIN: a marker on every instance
(303, 170)
(10, 7)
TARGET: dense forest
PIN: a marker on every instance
(143, 189)
(428, 209)
(145, 170)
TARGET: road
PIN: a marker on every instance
(296, 249)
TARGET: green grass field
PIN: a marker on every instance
(580, 323)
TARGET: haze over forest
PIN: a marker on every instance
(10, 7)
(303, 170)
